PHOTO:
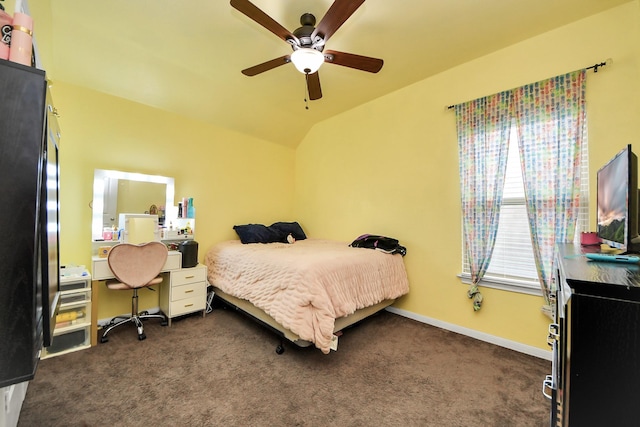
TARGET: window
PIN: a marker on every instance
(512, 265)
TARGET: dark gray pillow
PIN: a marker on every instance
(258, 233)
(287, 228)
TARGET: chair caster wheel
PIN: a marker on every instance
(164, 323)
(104, 339)
(279, 349)
(141, 337)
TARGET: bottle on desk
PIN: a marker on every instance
(107, 233)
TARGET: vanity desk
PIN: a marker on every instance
(184, 292)
(118, 194)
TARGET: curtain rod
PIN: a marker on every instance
(594, 67)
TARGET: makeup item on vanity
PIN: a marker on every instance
(191, 211)
(107, 233)
(21, 39)
(179, 210)
(6, 21)
(185, 207)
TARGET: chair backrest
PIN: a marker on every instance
(137, 265)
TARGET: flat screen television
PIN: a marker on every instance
(617, 193)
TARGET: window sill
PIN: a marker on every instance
(521, 286)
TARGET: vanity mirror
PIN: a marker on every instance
(116, 192)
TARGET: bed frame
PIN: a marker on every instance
(264, 319)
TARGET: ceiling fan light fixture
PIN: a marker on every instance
(307, 60)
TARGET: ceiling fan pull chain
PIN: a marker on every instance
(306, 91)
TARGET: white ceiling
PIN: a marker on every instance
(185, 56)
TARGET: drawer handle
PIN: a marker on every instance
(189, 277)
(554, 334)
(188, 305)
(547, 385)
(189, 291)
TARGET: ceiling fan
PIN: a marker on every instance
(308, 43)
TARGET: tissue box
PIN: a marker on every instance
(103, 251)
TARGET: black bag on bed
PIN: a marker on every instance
(381, 243)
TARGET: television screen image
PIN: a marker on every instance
(612, 199)
(617, 193)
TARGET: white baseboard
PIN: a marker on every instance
(502, 342)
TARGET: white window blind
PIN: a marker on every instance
(512, 264)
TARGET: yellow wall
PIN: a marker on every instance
(391, 166)
(387, 167)
(232, 178)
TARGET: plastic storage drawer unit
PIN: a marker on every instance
(73, 322)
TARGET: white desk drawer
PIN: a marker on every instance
(101, 271)
(185, 293)
(174, 261)
(187, 305)
(191, 290)
(188, 275)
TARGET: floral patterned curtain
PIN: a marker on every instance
(551, 121)
(483, 127)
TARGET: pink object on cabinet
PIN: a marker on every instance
(21, 39)
(589, 238)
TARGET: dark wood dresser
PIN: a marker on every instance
(596, 342)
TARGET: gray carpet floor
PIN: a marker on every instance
(222, 370)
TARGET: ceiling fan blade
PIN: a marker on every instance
(337, 14)
(266, 66)
(252, 11)
(313, 86)
(359, 62)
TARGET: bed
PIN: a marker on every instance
(306, 291)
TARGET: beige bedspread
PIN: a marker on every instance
(306, 285)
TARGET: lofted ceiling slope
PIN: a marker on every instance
(185, 57)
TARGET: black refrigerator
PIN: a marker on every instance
(29, 221)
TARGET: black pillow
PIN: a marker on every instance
(287, 228)
(258, 233)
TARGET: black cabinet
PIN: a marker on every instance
(596, 339)
(29, 260)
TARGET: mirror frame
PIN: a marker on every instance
(98, 194)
